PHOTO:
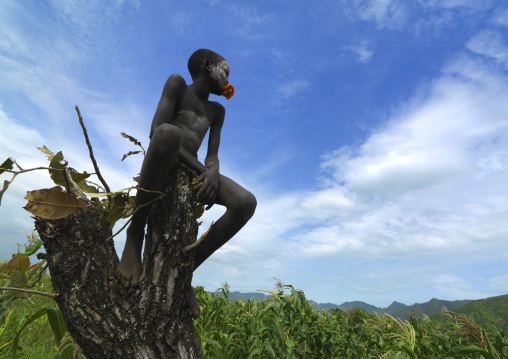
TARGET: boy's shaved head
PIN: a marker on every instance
(197, 58)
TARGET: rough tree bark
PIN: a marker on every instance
(107, 320)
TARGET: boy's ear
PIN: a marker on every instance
(206, 65)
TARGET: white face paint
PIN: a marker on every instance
(220, 73)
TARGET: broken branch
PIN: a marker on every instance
(91, 154)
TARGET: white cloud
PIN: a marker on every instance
(458, 3)
(362, 51)
(253, 23)
(386, 13)
(501, 17)
(292, 88)
(431, 183)
(491, 44)
(180, 21)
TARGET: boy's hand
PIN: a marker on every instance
(209, 188)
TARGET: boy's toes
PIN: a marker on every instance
(127, 282)
(134, 282)
(119, 278)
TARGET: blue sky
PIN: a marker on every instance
(374, 133)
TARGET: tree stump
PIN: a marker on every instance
(107, 320)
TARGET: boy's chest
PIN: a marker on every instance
(200, 109)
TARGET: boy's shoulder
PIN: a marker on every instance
(218, 108)
(176, 83)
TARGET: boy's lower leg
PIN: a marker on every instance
(129, 269)
(160, 158)
(222, 231)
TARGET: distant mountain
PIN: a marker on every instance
(323, 305)
(403, 311)
(431, 307)
(483, 311)
(487, 311)
(356, 304)
(396, 307)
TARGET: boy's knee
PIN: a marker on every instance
(247, 205)
(167, 138)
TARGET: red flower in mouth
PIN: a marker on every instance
(229, 91)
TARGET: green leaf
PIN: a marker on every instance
(461, 351)
(401, 346)
(46, 151)
(15, 342)
(198, 211)
(52, 203)
(6, 185)
(35, 267)
(255, 352)
(18, 279)
(57, 324)
(59, 328)
(488, 343)
(58, 162)
(102, 194)
(6, 345)
(3, 264)
(5, 302)
(19, 262)
(85, 187)
(6, 323)
(132, 139)
(120, 208)
(210, 341)
(270, 350)
(33, 248)
(6, 165)
(130, 153)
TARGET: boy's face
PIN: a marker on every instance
(220, 73)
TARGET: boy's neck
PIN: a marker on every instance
(200, 89)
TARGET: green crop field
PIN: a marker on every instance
(284, 325)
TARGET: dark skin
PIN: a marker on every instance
(178, 128)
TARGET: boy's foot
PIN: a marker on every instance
(192, 302)
(129, 270)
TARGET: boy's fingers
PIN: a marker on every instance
(210, 200)
(197, 180)
(201, 191)
(205, 197)
(209, 194)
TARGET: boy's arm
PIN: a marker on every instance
(210, 177)
(190, 161)
(173, 87)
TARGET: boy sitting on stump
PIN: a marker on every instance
(179, 125)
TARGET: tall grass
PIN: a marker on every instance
(37, 340)
(284, 326)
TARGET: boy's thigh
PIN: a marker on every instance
(230, 192)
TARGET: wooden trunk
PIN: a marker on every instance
(107, 320)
